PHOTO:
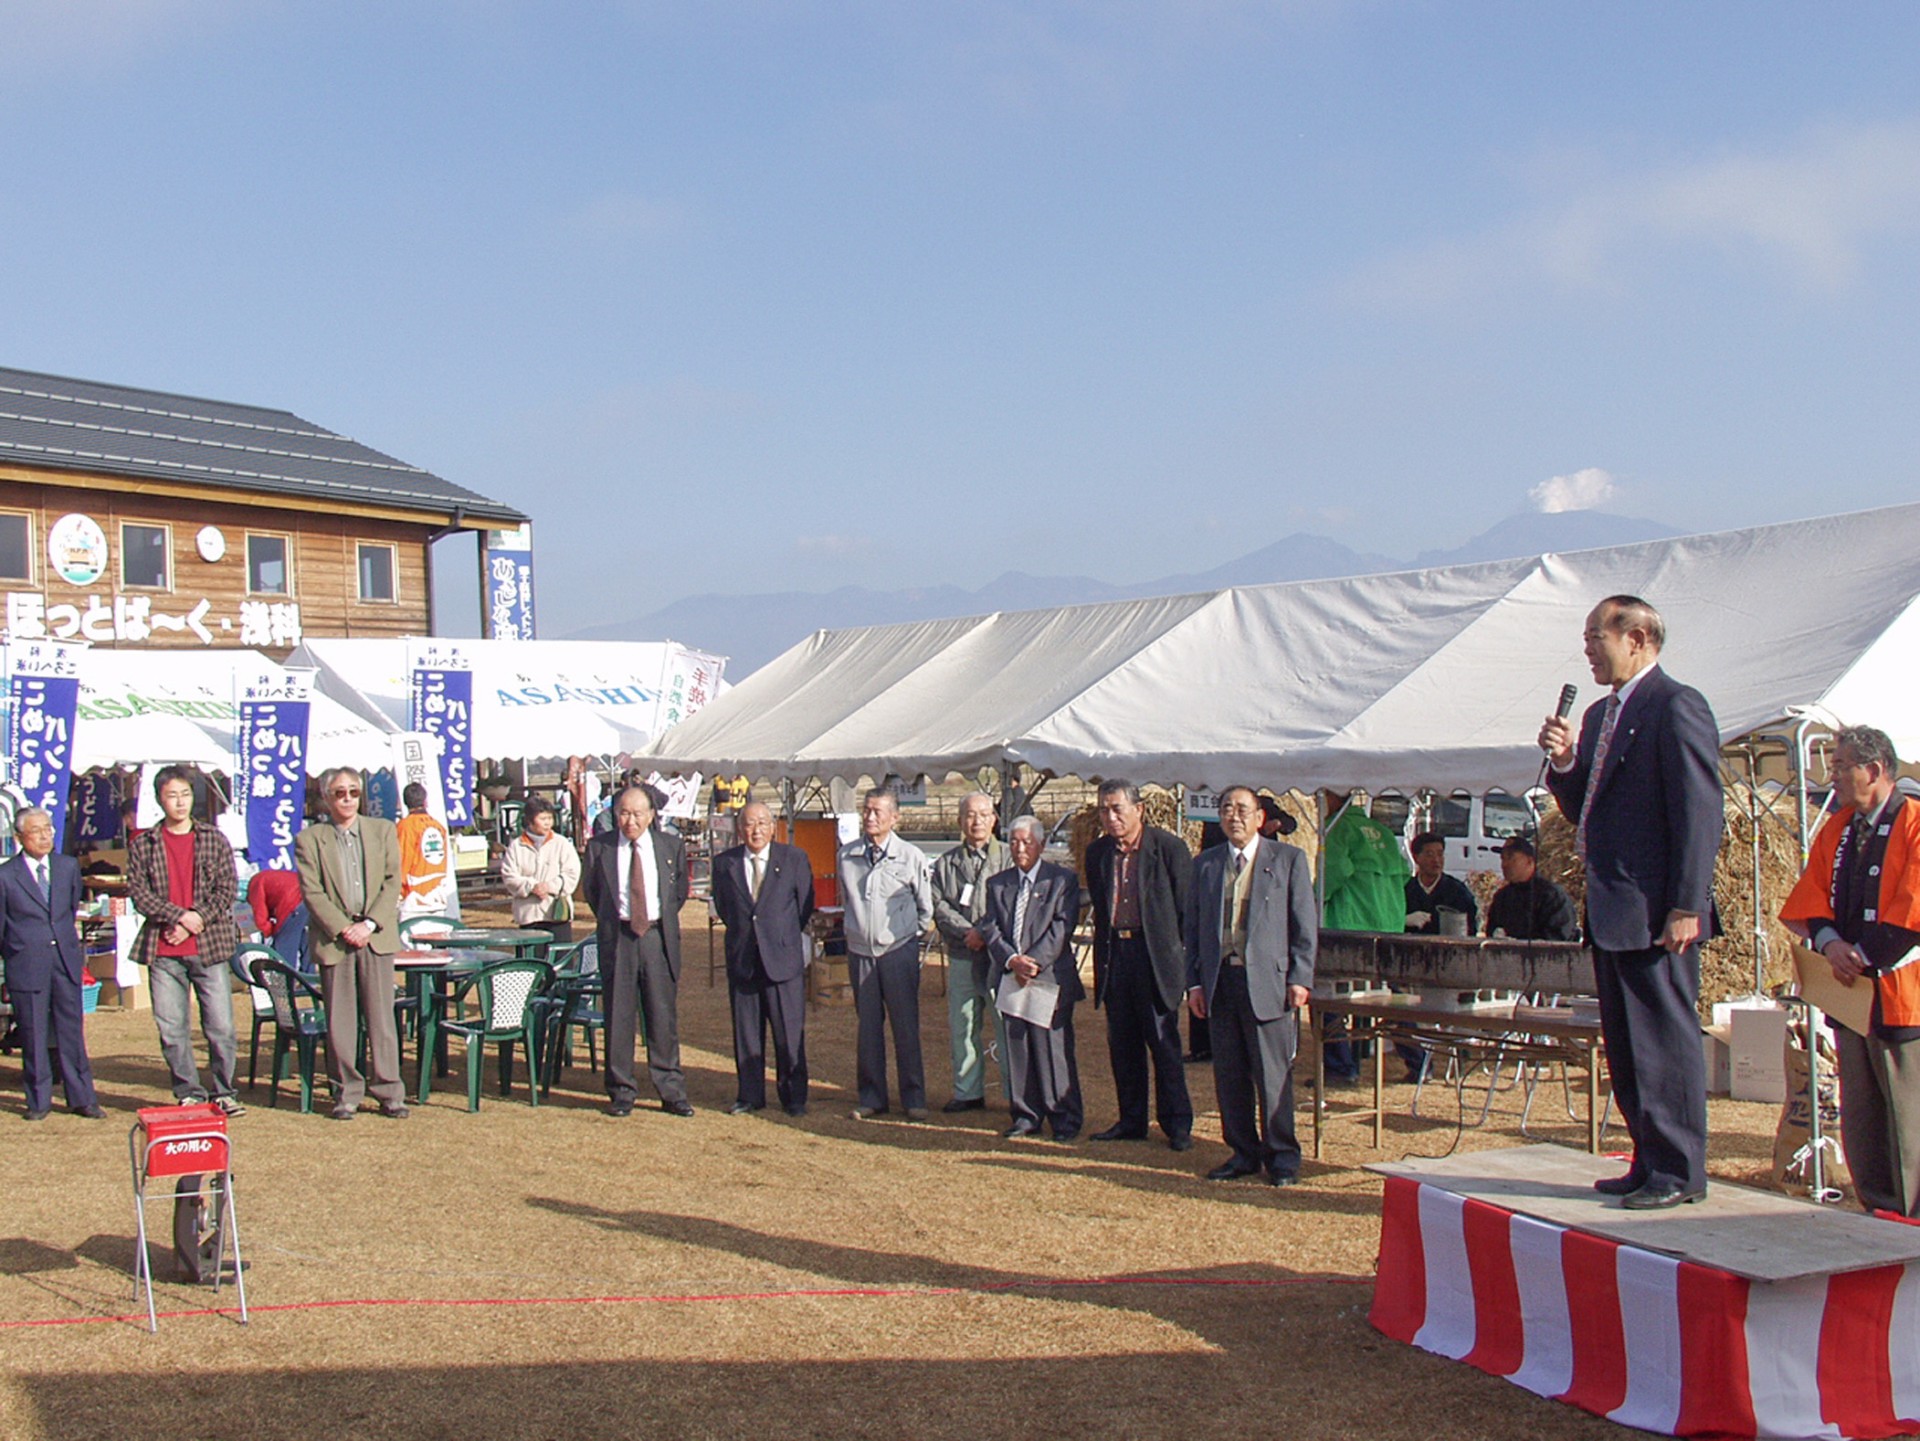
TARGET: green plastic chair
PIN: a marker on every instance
(299, 1019)
(495, 1004)
(572, 1003)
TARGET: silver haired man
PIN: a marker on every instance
(959, 904)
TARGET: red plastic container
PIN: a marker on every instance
(184, 1140)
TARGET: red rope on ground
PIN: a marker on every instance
(864, 1292)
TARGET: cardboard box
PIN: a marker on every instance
(1718, 1044)
(1759, 1045)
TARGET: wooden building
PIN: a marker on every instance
(137, 518)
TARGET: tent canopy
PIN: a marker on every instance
(532, 700)
(1435, 677)
(177, 706)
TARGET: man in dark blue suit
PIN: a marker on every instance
(763, 894)
(1032, 908)
(1642, 786)
(39, 894)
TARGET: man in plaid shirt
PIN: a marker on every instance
(181, 877)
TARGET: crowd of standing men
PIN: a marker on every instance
(1229, 938)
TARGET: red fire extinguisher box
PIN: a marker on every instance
(184, 1140)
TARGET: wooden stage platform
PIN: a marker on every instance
(1746, 1314)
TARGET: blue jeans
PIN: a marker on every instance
(174, 981)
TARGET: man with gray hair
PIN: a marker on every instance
(959, 902)
(1858, 904)
(884, 886)
(349, 868)
(40, 893)
(1031, 911)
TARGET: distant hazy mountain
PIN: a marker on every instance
(752, 629)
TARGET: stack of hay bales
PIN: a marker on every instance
(1726, 964)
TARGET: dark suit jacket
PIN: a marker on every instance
(316, 855)
(600, 883)
(215, 883)
(38, 943)
(1166, 869)
(767, 937)
(1283, 928)
(1654, 830)
(1052, 912)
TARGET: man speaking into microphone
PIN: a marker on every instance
(1642, 787)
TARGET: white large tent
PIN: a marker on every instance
(178, 706)
(532, 700)
(1435, 677)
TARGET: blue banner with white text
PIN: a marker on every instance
(273, 762)
(40, 741)
(440, 702)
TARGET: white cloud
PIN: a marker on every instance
(616, 217)
(830, 544)
(1809, 210)
(1587, 489)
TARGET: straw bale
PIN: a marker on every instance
(1726, 964)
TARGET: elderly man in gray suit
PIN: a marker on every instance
(1251, 938)
(1028, 929)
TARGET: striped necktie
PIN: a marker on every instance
(43, 872)
(1020, 913)
(1596, 770)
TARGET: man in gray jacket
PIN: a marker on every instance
(885, 888)
(959, 905)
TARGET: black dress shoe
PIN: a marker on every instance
(1659, 1198)
(677, 1108)
(92, 1113)
(39, 1115)
(1118, 1132)
(797, 1110)
(740, 1108)
(1063, 1137)
(1282, 1178)
(342, 1113)
(1232, 1170)
(620, 1108)
(1019, 1128)
(1181, 1142)
(1619, 1185)
(956, 1105)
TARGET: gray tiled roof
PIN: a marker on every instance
(50, 421)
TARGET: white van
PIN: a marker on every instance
(1475, 826)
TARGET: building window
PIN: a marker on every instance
(267, 572)
(144, 556)
(376, 572)
(16, 547)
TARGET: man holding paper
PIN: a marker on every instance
(1035, 980)
(1251, 940)
(1858, 904)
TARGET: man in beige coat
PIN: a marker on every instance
(349, 868)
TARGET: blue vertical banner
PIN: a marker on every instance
(96, 809)
(440, 703)
(509, 583)
(275, 710)
(45, 687)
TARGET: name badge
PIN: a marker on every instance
(966, 894)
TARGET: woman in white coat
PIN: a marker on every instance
(541, 871)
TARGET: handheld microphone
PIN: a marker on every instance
(1568, 694)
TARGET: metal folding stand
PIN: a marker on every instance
(1817, 1143)
(188, 1142)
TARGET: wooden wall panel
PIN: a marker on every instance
(324, 581)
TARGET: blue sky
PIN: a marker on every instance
(753, 296)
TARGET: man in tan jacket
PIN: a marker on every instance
(349, 868)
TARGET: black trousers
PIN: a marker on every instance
(1142, 1031)
(1253, 1075)
(758, 1005)
(638, 987)
(1650, 1027)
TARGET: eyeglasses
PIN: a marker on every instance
(343, 793)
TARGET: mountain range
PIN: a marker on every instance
(751, 630)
